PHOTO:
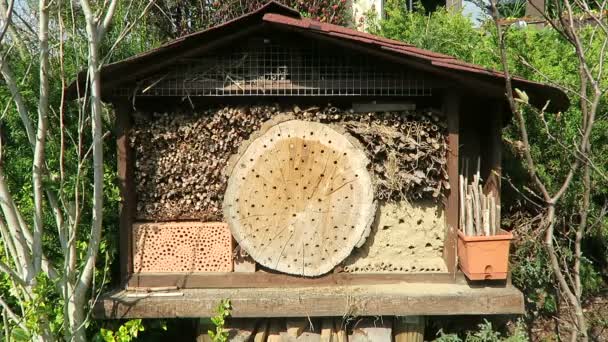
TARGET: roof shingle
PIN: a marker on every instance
(281, 16)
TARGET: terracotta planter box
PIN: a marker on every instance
(484, 257)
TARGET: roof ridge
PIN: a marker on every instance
(343, 29)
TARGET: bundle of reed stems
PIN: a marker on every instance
(479, 212)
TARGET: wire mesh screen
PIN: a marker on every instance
(265, 69)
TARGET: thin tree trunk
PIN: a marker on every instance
(39, 158)
(560, 277)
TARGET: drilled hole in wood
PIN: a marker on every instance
(298, 222)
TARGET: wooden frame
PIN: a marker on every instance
(261, 279)
(451, 103)
(125, 173)
(451, 106)
(329, 300)
(268, 294)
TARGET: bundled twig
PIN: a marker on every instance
(479, 212)
(180, 158)
(408, 149)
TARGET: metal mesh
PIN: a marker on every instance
(268, 70)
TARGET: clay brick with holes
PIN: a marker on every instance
(182, 247)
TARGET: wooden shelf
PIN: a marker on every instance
(398, 299)
(261, 279)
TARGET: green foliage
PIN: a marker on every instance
(440, 31)
(219, 320)
(539, 55)
(486, 333)
(17, 157)
(512, 9)
(174, 18)
(125, 333)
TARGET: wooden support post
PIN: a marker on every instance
(377, 329)
(340, 335)
(409, 329)
(451, 106)
(125, 171)
(262, 332)
(274, 332)
(202, 328)
(295, 327)
(327, 330)
(241, 329)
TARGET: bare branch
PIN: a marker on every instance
(7, 18)
(14, 225)
(39, 155)
(13, 316)
(11, 83)
(105, 24)
(531, 166)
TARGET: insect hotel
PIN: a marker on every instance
(307, 170)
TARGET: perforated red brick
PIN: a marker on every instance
(182, 247)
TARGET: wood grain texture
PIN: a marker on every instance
(125, 175)
(452, 111)
(299, 197)
(264, 279)
(399, 300)
(409, 329)
(372, 329)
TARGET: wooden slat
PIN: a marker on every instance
(369, 300)
(264, 279)
(452, 110)
(125, 173)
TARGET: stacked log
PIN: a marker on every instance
(181, 157)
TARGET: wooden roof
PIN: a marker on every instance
(473, 78)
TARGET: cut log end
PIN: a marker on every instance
(300, 198)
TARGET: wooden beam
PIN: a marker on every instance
(451, 106)
(126, 174)
(367, 300)
(264, 279)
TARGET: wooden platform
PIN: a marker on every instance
(399, 299)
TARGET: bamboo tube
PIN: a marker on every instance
(469, 209)
(486, 219)
(478, 169)
(497, 218)
(482, 211)
(492, 214)
(461, 188)
(476, 210)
